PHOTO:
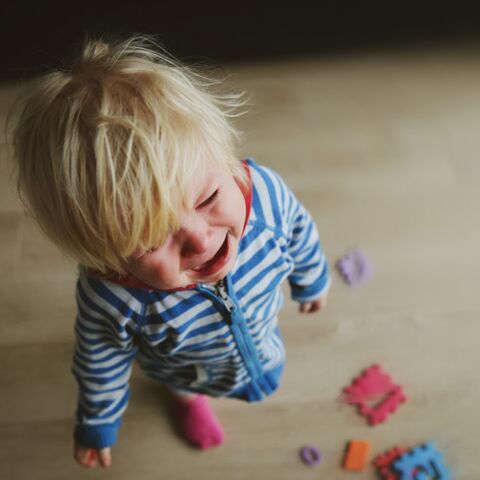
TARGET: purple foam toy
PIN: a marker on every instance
(355, 267)
(310, 455)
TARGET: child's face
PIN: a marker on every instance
(204, 249)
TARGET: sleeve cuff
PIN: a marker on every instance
(97, 436)
(311, 292)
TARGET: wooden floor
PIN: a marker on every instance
(383, 149)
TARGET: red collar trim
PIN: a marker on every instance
(247, 193)
(131, 281)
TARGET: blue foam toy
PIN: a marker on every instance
(422, 463)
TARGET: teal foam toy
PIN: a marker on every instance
(422, 463)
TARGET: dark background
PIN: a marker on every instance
(39, 36)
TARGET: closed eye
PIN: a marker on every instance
(210, 199)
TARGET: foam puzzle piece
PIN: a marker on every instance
(357, 455)
(422, 463)
(384, 463)
(355, 267)
(377, 387)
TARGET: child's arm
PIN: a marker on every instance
(104, 350)
(310, 278)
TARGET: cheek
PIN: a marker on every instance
(238, 210)
(226, 215)
(157, 269)
(233, 208)
(165, 271)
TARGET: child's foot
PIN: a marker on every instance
(199, 423)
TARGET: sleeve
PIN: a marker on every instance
(102, 362)
(310, 277)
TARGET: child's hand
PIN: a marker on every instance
(88, 457)
(316, 305)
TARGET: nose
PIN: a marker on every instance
(194, 238)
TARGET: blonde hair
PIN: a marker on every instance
(105, 149)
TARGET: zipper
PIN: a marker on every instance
(240, 332)
(222, 293)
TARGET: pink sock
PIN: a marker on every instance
(199, 423)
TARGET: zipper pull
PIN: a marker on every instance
(222, 292)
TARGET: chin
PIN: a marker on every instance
(220, 274)
(215, 278)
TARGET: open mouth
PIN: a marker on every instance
(217, 262)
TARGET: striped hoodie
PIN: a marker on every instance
(220, 340)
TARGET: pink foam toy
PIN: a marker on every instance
(375, 395)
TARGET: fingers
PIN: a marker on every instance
(310, 307)
(322, 302)
(105, 457)
(89, 457)
(84, 456)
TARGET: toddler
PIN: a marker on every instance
(126, 159)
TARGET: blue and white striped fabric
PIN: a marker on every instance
(188, 339)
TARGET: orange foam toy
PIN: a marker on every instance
(357, 455)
